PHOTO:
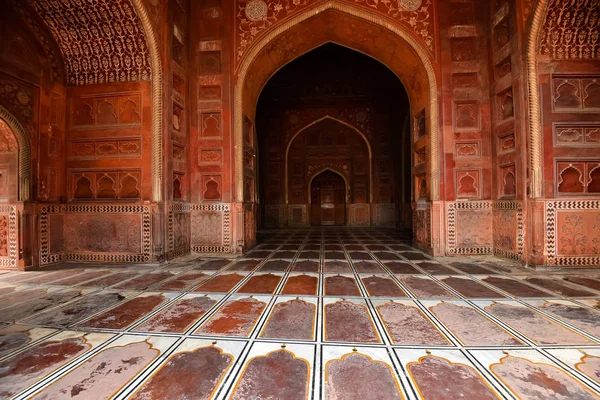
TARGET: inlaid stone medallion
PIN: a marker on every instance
(472, 328)
(408, 326)
(358, 377)
(189, 375)
(537, 381)
(279, 375)
(293, 319)
(177, 318)
(437, 378)
(346, 321)
(234, 318)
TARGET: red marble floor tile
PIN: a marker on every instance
(584, 318)
(530, 380)
(102, 375)
(437, 378)
(145, 281)
(337, 267)
(306, 266)
(436, 269)
(334, 255)
(341, 286)
(399, 247)
(333, 247)
(374, 247)
(290, 247)
(561, 288)
(356, 377)
(263, 284)
(368, 267)
(28, 308)
(407, 325)
(360, 255)
(21, 276)
(213, 265)
(412, 255)
(293, 319)
(590, 366)
(220, 283)
(386, 255)
(346, 321)
(278, 375)
(178, 317)
(316, 247)
(351, 247)
(245, 265)
(258, 254)
(471, 327)
(19, 296)
(110, 279)
(470, 288)
(6, 290)
(401, 268)
(275, 266)
(382, 286)
(285, 254)
(534, 326)
(80, 278)
(470, 268)
(24, 369)
(187, 375)
(301, 285)
(183, 282)
(315, 255)
(77, 310)
(49, 276)
(234, 318)
(127, 313)
(515, 287)
(584, 281)
(14, 337)
(426, 288)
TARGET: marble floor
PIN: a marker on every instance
(310, 313)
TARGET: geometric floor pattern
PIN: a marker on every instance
(332, 313)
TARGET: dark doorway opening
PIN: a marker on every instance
(328, 199)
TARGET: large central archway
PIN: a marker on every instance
(357, 30)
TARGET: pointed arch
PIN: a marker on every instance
(24, 153)
(364, 16)
(335, 171)
(327, 117)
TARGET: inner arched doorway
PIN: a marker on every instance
(328, 199)
(363, 32)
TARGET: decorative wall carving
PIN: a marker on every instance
(110, 184)
(210, 125)
(97, 233)
(507, 181)
(91, 149)
(210, 227)
(19, 99)
(92, 53)
(469, 227)
(578, 177)
(570, 30)
(8, 237)
(468, 184)
(102, 111)
(467, 149)
(466, 116)
(506, 142)
(179, 230)
(573, 232)
(573, 93)
(210, 157)
(509, 230)
(577, 135)
(212, 187)
(256, 22)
